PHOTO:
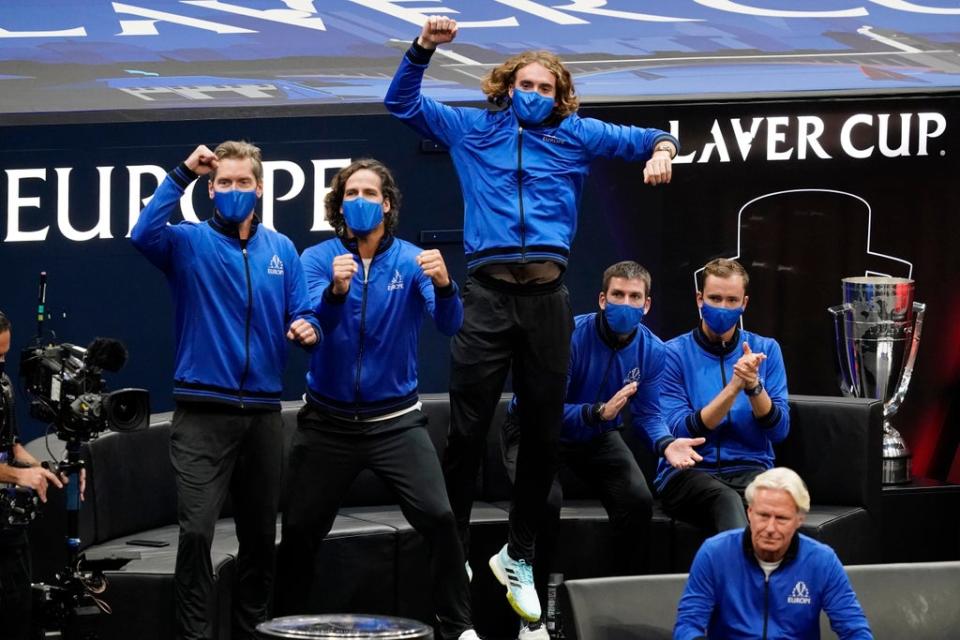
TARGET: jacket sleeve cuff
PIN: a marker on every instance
(663, 443)
(589, 412)
(183, 176)
(333, 298)
(696, 427)
(419, 55)
(771, 419)
(448, 291)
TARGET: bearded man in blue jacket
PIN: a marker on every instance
(371, 291)
(239, 295)
(615, 361)
(726, 385)
(522, 168)
(768, 580)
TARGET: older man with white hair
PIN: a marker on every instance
(768, 580)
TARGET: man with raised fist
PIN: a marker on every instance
(522, 166)
(239, 297)
(371, 291)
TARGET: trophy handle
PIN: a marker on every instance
(919, 310)
(845, 377)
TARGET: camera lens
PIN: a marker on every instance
(127, 409)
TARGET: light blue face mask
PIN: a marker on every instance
(531, 107)
(235, 205)
(362, 216)
(720, 319)
(622, 318)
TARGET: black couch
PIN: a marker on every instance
(373, 561)
(916, 601)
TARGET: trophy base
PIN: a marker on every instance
(896, 457)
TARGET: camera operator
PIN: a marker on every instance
(17, 467)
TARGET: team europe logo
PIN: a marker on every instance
(632, 376)
(800, 594)
(276, 266)
(396, 282)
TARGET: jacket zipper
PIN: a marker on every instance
(363, 320)
(523, 226)
(246, 336)
(723, 379)
(606, 374)
(766, 603)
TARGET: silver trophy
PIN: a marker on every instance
(877, 335)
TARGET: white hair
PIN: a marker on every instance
(783, 479)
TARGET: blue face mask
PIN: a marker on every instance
(719, 319)
(235, 205)
(531, 107)
(622, 318)
(362, 216)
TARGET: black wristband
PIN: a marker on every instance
(333, 298)
(419, 54)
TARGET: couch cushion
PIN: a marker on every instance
(141, 592)
(628, 608)
(133, 482)
(916, 601)
(835, 446)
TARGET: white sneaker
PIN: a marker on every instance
(469, 571)
(469, 634)
(517, 577)
(533, 631)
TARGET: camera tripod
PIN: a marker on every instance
(67, 607)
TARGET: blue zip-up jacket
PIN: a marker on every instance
(696, 371)
(521, 187)
(599, 367)
(367, 364)
(728, 596)
(233, 304)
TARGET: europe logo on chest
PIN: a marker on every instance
(276, 266)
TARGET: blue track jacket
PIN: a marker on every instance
(233, 305)
(599, 367)
(521, 187)
(728, 596)
(367, 364)
(695, 373)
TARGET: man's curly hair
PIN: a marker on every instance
(496, 84)
(388, 187)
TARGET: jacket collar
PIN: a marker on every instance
(788, 557)
(716, 348)
(353, 246)
(231, 229)
(607, 335)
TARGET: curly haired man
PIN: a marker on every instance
(522, 166)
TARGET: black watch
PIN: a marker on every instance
(597, 412)
(757, 390)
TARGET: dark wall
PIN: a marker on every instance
(796, 245)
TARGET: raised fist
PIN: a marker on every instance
(202, 161)
(437, 30)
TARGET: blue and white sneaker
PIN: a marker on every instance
(533, 631)
(517, 577)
